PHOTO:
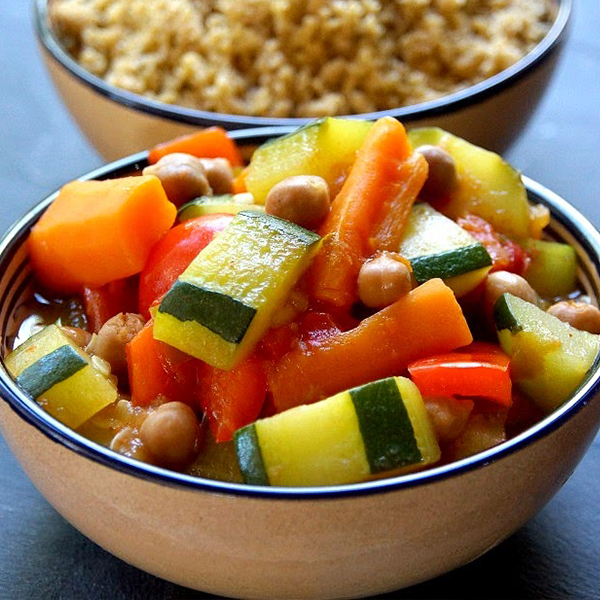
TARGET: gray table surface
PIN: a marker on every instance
(556, 555)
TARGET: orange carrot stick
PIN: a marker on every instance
(394, 213)
(372, 183)
(212, 142)
(99, 231)
(425, 322)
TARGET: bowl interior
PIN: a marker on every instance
(567, 225)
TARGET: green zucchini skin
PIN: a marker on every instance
(504, 316)
(249, 456)
(49, 370)
(222, 314)
(450, 263)
(385, 426)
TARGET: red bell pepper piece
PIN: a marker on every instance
(232, 399)
(151, 377)
(173, 253)
(100, 304)
(478, 370)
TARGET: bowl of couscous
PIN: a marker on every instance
(156, 69)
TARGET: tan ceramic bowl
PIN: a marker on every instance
(490, 114)
(258, 542)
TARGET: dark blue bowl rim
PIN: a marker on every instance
(444, 105)
(26, 408)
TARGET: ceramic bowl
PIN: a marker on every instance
(490, 114)
(324, 542)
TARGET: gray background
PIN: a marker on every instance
(556, 555)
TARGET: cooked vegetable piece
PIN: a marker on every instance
(325, 147)
(222, 304)
(480, 370)
(172, 255)
(437, 247)
(553, 268)
(426, 321)
(579, 314)
(212, 142)
(487, 185)
(232, 399)
(61, 376)
(100, 304)
(98, 231)
(380, 427)
(549, 358)
(226, 203)
(395, 213)
(506, 254)
(150, 378)
(374, 182)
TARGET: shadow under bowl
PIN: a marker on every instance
(323, 542)
(491, 113)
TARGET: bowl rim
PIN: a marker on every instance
(447, 104)
(564, 215)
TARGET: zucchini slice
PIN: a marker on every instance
(325, 147)
(553, 268)
(438, 247)
(225, 203)
(355, 435)
(549, 358)
(223, 302)
(487, 185)
(63, 379)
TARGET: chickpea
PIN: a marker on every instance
(170, 434)
(219, 174)
(382, 280)
(182, 176)
(580, 315)
(80, 336)
(301, 199)
(442, 177)
(109, 343)
(501, 282)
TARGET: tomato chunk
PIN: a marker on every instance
(173, 253)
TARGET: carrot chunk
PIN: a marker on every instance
(426, 321)
(376, 182)
(98, 231)
(212, 142)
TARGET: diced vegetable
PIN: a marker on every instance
(480, 370)
(549, 358)
(226, 203)
(232, 399)
(373, 182)
(553, 268)
(222, 304)
(325, 147)
(172, 255)
(426, 321)
(212, 142)
(119, 296)
(99, 231)
(150, 378)
(487, 185)
(64, 379)
(506, 254)
(380, 427)
(437, 247)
